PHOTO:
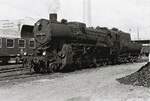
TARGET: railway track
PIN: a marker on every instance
(6, 70)
(13, 72)
(19, 76)
(10, 72)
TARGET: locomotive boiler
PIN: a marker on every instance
(71, 45)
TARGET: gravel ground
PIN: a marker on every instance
(87, 85)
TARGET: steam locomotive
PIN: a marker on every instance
(71, 45)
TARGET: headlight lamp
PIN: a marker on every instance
(44, 53)
(25, 53)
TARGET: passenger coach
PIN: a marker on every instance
(14, 47)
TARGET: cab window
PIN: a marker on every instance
(21, 43)
(10, 43)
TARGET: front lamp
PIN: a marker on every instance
(25, 53)
(44, 53)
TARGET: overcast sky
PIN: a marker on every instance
(127, 15)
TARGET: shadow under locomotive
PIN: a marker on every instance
(67, 46)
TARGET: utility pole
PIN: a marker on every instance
(138, 34)
(84, 11)
(87, 12)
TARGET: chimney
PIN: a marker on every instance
(53, 17)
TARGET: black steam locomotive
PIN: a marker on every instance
(71, 45)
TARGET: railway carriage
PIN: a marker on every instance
(16, 47)
(8, 49)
